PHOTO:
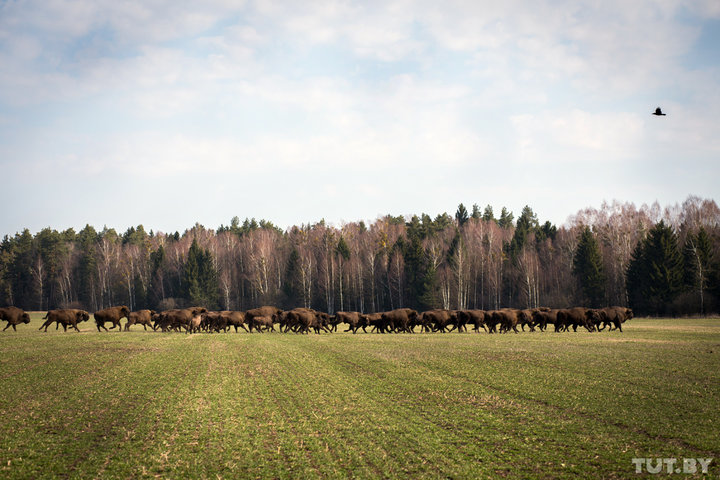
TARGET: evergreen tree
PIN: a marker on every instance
(87, 266)
(588, 268)
(546, 230)
(475, 212)
(416, 269)
(636, 279)
(488, 214)
(292, 286)
(442, 222)
(21, 270)
(6, 281)
(200, 277)
(665, 266)
(461, 215)
(506, 218)
(51, 249)
(157, 277)
(655, 272)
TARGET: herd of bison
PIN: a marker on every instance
(305, 320)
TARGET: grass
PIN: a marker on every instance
(533, 405)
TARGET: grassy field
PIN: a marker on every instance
(530, 405)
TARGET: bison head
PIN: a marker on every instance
(25, 318)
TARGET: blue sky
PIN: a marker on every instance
(122, 113)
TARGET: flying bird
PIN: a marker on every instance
(658, 112)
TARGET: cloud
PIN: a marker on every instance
(459, 93)
(580, 136)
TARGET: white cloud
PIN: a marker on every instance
(579, 137)
(368, 90)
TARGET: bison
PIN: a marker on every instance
(543, 316)
(14, 316)
(613, 317)
(140, 317)
(264, 311)
(65, 317)
(577, 316)
(113, 315)
(476, 318)
(354, 320)
(234, 319)
(301, 320)
(439, 320)
(177, 318)
(261, 323)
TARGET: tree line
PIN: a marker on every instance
(658, 261)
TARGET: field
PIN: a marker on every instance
(529, 405)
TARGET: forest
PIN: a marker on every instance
(657, 260)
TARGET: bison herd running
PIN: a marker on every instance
(305, 320)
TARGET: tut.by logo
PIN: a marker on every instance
(672, 465)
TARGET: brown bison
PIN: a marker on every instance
(177, 318)
(374, 320)
(507, 318)
(354, 320)
(234, 319)
(261, 323)
(140, 317)
(65, 317)
(400, 320)
(476, 318)
(574, 317)
(612, 317)
(195, 323)
(543, 316)
(439, 320)
(112, 315)
(14, 316)
(300, 320)
(264, 311)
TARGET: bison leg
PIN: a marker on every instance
(6, 327)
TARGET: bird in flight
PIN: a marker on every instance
(658, 112)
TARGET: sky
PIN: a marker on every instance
(166, 113)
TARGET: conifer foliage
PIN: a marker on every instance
(588, 268)
(655, 273)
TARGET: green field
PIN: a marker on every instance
(529, 405)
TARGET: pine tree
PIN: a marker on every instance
(87, 267)
(488, 214)
(21, 270)
(636, 279)
(665, 266)
(291, 286)
(200, 277)
(588, 268)
(461, 215)
(506, 218)
(416, 269)
(655, 273)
